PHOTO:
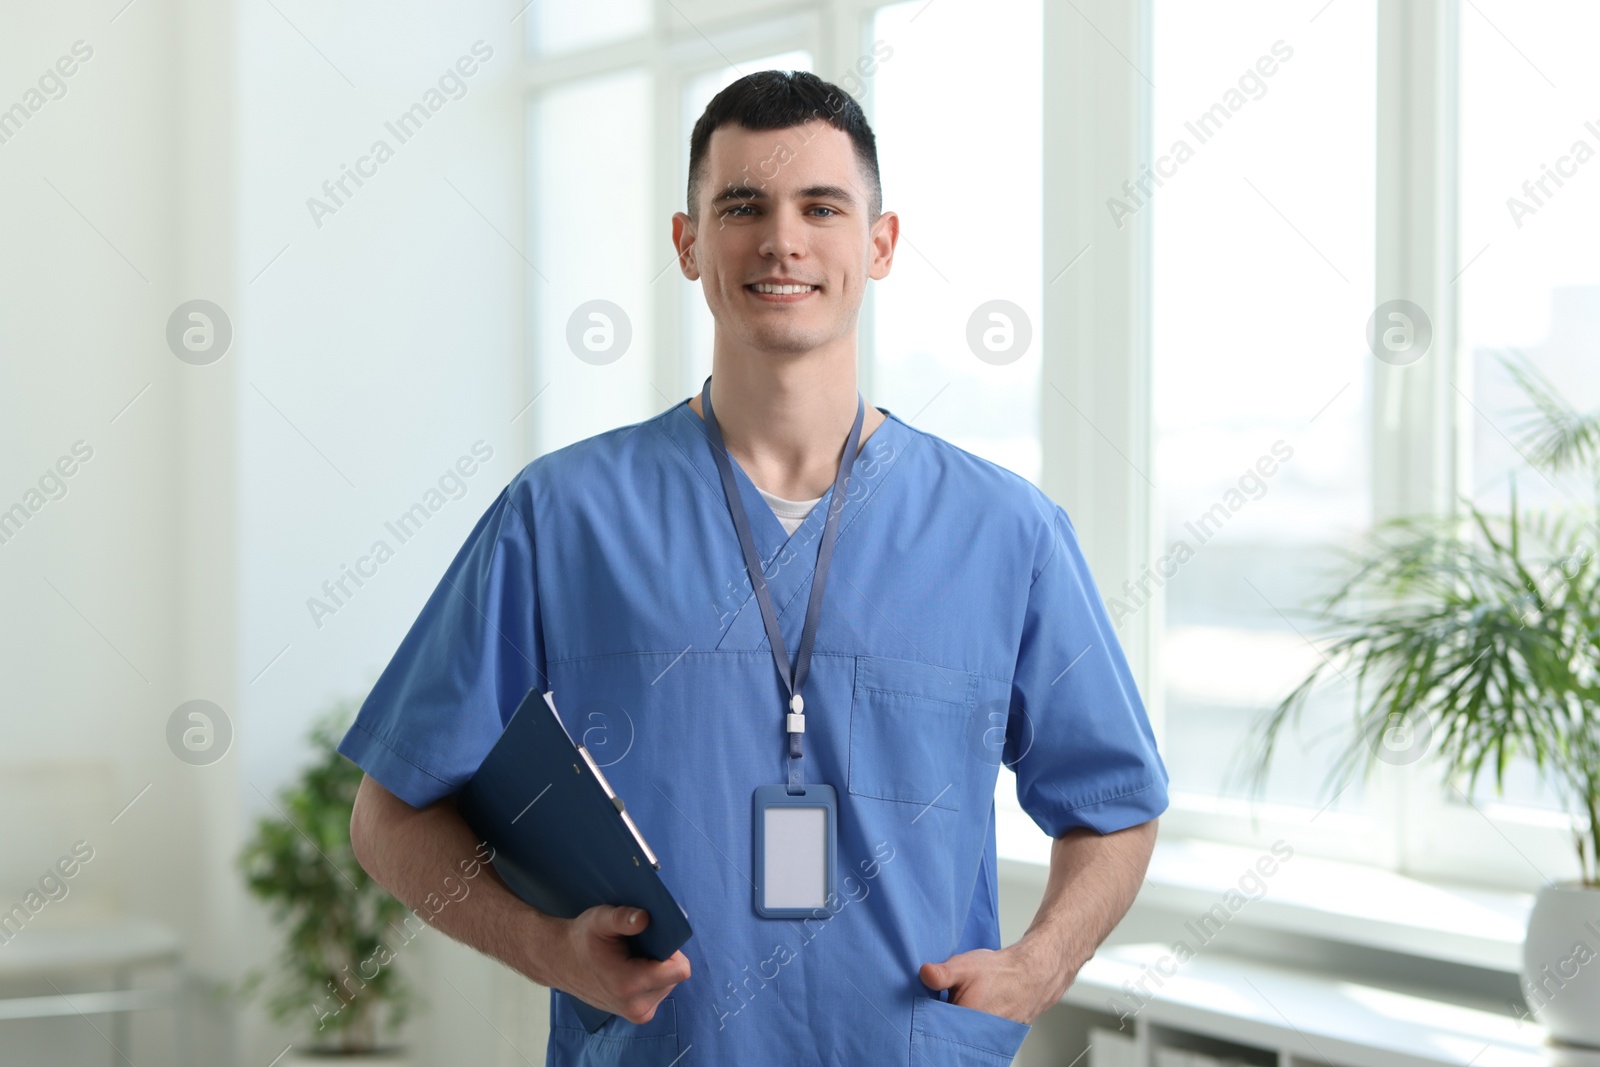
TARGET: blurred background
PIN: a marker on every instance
(239, 341)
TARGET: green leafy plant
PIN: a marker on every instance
(1479, 633)
(334, 969)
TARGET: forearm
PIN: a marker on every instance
(1093, 880)
(432, 862)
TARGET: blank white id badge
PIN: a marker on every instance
(794, 849)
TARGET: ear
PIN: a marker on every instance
(885, 234)
(683, 241)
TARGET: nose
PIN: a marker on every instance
(785, 236)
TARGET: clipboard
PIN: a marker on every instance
(562, 839)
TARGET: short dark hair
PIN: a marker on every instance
(776, 100)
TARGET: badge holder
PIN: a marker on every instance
(794, 827)
(796, 849)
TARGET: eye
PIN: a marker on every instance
(823, 207)
(741, 207)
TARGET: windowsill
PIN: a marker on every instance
(1336, 1019)
(1307, 895)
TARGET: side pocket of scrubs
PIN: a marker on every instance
(618, 1043)
(909, 727)
(949, 1035)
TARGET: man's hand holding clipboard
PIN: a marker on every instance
(565, 844)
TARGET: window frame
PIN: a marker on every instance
(1415, 824)
(1096, 299)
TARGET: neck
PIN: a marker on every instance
(786, 422)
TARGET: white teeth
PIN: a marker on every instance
(782, 289)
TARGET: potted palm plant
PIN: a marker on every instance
(342, 931)
(1478, 637)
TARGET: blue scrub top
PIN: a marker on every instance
(960, 629)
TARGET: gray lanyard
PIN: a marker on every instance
(794, 677)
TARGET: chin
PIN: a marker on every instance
(784, 347)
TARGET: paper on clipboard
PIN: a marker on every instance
(550, 699)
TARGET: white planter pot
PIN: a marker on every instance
(1561, 963)
(387, 1058)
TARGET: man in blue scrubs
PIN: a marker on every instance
(958, 628)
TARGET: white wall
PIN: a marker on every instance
(92, 652)
(388, 340)
(390, 336)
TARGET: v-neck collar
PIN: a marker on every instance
(689, 431)
(788, 573)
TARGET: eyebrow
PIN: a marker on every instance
(810, 192)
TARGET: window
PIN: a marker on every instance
(1530, 284)
(552, 29)
(959, 149)
(1211, 330)
(1268, 247)
(1261, 282)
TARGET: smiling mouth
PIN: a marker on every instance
(781, 294)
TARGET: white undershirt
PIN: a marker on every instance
(791, 513)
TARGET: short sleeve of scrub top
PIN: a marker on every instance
(1079, 738)
(471, 656)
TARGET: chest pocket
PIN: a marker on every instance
(909, 722)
